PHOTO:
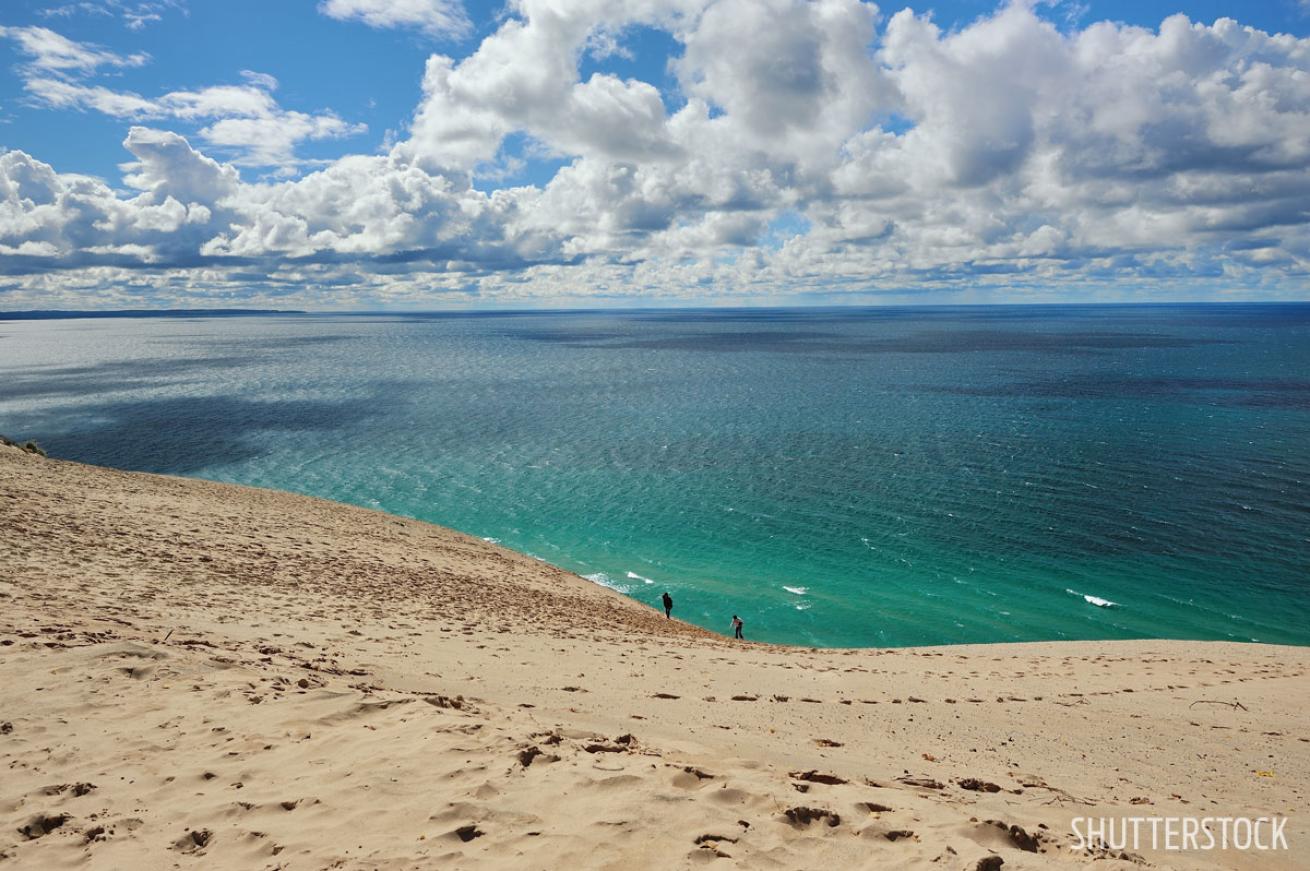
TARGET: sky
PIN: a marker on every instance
(430, 154)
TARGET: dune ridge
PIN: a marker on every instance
(203, 675)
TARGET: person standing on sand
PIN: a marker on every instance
(736, 627)
(668, 604)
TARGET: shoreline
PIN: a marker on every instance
(210, 675)
(497, 544)
(615, 586)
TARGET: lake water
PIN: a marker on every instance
(842, 477)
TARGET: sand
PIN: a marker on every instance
(210, 676)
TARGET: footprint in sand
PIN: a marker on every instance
(42, 824)
(801, 817)
(194, 841)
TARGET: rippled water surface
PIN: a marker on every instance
(836, 477)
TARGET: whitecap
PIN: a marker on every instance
(799, 591)
(636, 577)
(1093, 600)
(604, 580)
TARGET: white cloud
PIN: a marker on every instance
(1007, 154)
(260, 80)
(795, 77)
(438, 18)
(271, 140)
(242, 121)
(62, 94)
(135, 14)
(167, 166)
(211, 102)
(1138, 151)
(79, 220)
(50, 52)
(245, 121)
(525, 77)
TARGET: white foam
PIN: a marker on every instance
(636, 577)
(799, 591)
(488, 538)
(604, 580)
(1093, 600)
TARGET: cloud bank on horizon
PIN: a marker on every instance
(580, 152)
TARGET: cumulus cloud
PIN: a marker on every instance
(1113, 146)
(166, 166)
(439, 18)
(808, 147)
(798, 75)
(50, 219)
(525, 77)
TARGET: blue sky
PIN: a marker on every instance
(629, 157)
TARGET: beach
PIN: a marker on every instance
(195, 674)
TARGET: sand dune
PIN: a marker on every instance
(200, 675)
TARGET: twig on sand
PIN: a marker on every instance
(1233, 705)
(1060, 795)
(170, 632)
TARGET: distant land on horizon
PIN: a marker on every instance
(62, 314)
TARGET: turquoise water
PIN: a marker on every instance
(836, 477)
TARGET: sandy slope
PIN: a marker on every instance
(199, 675)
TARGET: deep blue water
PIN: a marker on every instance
(837, 477)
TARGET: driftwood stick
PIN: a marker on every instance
(1233, 705)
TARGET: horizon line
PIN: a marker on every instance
(71, 314)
